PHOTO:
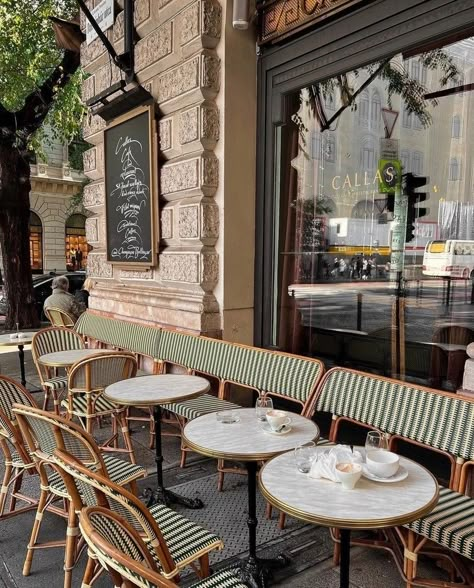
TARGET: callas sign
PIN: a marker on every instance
(390, 175)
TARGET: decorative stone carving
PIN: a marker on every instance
(189, 222)
(94, 195)
(179, 267)
(90, 159)
(211, 19)
(209, 221)
(165, 134)
(154, 47)
(188, 126)
(210, 269)
(106, 76)
(88, 88)
(190, 24)
(210, 123)
(92, 230)
(92, 125)
(179, 80)
(136, 274)
(92, 51)
(210, 171)
(167, 223)
(141, 13)
(98, 267)
(94, 162)
(179, 176)
(211, 69)
(163, 3)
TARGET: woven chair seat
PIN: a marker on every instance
(450, 523)
(224, 579)
(185, 539)
(79, 405)
(191, 409)
(58, 383)
(17, 462)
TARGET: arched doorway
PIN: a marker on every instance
(36, 243)
(76, 245)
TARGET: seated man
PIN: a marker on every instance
(60, 298)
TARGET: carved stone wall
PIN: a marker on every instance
(178, 61)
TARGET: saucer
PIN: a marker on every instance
(267, 429)
(398, 477)
(229, 420)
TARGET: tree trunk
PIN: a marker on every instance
(14, 237)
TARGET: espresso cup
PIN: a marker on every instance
(277, 419)
(348, 474)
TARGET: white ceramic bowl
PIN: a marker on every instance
(348, 474)
(382, 463)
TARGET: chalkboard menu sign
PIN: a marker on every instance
(130, 188)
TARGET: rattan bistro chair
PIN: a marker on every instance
(173, 540)
(43, 432)
(59, 318)
(17, 460)
(87, 380)
(51, 340)
(121, 551)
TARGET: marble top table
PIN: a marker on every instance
(68, 357)
(26, 338)
(246, 441)
(155, 391)
(370, 505)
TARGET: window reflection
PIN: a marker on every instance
(337, 290)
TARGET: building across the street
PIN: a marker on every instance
(275, 218)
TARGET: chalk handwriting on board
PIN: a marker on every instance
(132, 197)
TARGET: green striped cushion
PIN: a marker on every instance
(79, 405)
(450, 523)
(59, 383)
(267, 371)
(441, 421)
(190, 409)
(125, 335)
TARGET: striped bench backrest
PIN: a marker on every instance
(282, 374)
(440, 420)
(127, 335)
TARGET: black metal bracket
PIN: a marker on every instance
(125, 61)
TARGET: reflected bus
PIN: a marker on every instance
(453, 258)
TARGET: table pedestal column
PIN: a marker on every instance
(21, 355)
(161, 495)
(344, 563)
(254, 571)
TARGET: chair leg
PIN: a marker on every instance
(45, 399)
(71, 542)
(35, 532)
(182, 463)
(409, 563)
(282, 521)
(220, 479)
(121, 422)
(4, 491)
(89, 572)
(204, 569)
(337, 548)
(16, 487)
(268, 511)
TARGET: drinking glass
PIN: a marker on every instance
(376, 441)
(262, 406)
(305, 456)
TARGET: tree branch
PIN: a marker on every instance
(38, 103)
(7, 122)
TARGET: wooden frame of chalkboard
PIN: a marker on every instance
(131, 188)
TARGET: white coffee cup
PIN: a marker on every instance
(382, 464)
(348, 474)
(13, 336)
(277, 419)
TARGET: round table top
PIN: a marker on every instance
(157, 389)
(245, 440)
(370, 505)
(26, 338)
(69, 357)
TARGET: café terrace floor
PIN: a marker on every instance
(225, 513)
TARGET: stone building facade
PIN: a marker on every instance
(206, 130)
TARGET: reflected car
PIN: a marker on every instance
(42, 288)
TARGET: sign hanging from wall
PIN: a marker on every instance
(131, 195)
(103, 15)
(282, 18)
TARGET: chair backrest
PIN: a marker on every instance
(59, 318)
(44, 432)
(51, 340)
(100, 370)
(12, 392)
(88, 488)
(119, 547)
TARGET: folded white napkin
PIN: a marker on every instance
(325, 466)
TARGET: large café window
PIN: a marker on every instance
(338, 294)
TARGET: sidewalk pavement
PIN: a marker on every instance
(313, 559)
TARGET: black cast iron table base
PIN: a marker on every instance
(161, 495)
(257, 572)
